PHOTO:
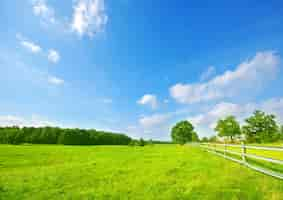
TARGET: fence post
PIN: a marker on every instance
(244, 150)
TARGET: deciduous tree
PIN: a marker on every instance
(228, 127)
(182, 132)
(261, 128)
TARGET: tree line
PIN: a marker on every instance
(55, 135)
(258, 128)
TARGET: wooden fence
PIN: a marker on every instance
(214, 148)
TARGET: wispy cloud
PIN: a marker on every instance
(248, 76)
(148, 99)
(153, 120)
(45, 12)
(53, 56)
(89, 17)
(210, 71)
(55, 80)
(28, 44)
(34, 121)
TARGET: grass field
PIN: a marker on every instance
(122, 172)
(278, 155)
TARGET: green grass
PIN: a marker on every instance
(121, 172)
(278, 155)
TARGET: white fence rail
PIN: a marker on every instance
(212, 147)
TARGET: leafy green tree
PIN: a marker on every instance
(204, 139)
(212, 138)
(150, 142)
(281, 133)
(228, 127)
(261, 128)
(133, 143)
(182, 132)
(54, 135)
(141, 142)
(195, 137)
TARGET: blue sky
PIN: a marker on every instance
(138, 67)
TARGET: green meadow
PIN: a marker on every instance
(124, 172)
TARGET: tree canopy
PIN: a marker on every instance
(183, 132)
(204, 139)
(228, 127)
(261, 127)
(54, 135)
(195, 137)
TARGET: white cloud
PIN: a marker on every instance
(10, 120)
(89, 17)
(42, 10)
(208, 73)
(55, 80)
(153, 120)
(207, 120)
(34, 48)
(248, 76)
(148, 99)
(159, 125)
(274, 106)
(53, 56)
(34, 120)
(29, 45)
(221, 110)
(154, 126)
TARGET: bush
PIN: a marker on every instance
(141, 142)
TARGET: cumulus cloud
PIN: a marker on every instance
(274, 106)
(53, 56)
(247, 76)
(27, 44)
(160, 124)
(207, 120)
(44, 11)
(89, 17)
(55, 80)
(148, 99)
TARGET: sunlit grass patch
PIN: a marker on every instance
(122, 172)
